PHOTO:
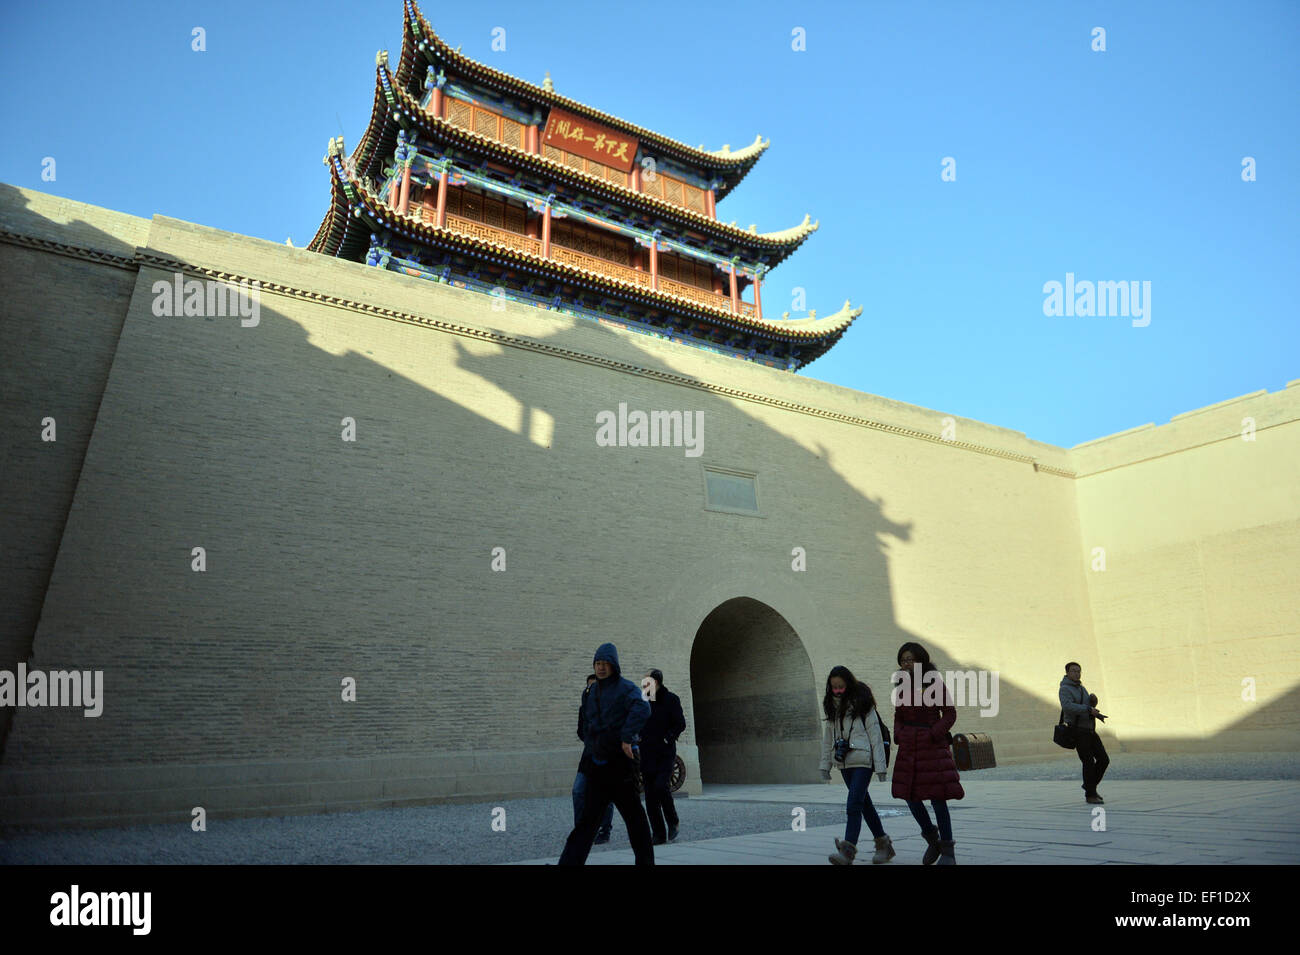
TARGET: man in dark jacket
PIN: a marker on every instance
(1081, 712)
(613, 716)
(580, 780)
(659, 754)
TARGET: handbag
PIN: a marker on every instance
(1064, 734)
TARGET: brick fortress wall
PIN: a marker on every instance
(475, 430)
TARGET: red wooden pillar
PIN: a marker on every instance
(758, 299)
(546, 232)
(532, 140)
(710, 205)
(435, 105)
(735, 294)
(654, 265)
(717, 283)
(405, 201)
(636, 178)
(392, 196)
(441, 219)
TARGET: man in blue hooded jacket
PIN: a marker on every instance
(612, 719)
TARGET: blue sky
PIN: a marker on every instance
(1123, 165)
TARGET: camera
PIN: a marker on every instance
(841, 750)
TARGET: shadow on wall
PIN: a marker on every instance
(331, 559)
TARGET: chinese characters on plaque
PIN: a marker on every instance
(590, 140)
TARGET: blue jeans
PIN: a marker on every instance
(859, 806)
(579, 796)
(940, 814)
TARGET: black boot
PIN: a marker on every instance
(946, 856)
(932, 850)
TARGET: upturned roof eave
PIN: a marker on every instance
(803, 330)
(784, 241)
(740, 162)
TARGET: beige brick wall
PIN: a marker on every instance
(1201, 588)
(475, 430)
(59, 322)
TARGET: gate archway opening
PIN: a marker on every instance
(754, 697)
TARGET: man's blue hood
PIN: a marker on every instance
(608, 652)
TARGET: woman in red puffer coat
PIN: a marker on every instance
(924, 768)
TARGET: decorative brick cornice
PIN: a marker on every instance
(144, 257)
(71, 251)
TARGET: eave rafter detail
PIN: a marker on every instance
(821, 331)
(724, 160)
(391, 100)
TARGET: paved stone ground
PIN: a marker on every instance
(1153, 822)
(1241, 808)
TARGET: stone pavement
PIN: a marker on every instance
(1002, 822)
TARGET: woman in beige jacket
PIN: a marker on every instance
(851, 737)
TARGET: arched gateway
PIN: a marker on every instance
(755, 697)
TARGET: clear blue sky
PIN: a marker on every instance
(1122, 165)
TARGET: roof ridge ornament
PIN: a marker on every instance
(334, 149)
(547, 84)
(744, 152)
(381, 59)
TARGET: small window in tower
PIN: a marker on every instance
(512, 133)
(487, 123)
(733, 492)
(459, 113)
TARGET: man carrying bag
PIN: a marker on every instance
(1078, 731)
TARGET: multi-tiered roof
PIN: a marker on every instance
(471, 177)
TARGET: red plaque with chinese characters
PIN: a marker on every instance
(590, 140)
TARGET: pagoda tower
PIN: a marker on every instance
(477, 179)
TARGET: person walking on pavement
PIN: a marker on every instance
(580, 779)
(851, 734)
(1081, 709)
(924, 767)
(614, 714)
(659, 754)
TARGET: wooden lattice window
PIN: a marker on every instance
(672, 189)
(472, 206)
(652, 185)
(582, 164)
(694, 198)
(687, 271)
(513, 133)
(592, 241)
(515, 219)
(494, 212)
(487, 122)
(486, 209)
(460, 113)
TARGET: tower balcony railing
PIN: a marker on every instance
(582, 260)
(480, 230)
(596, 264)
